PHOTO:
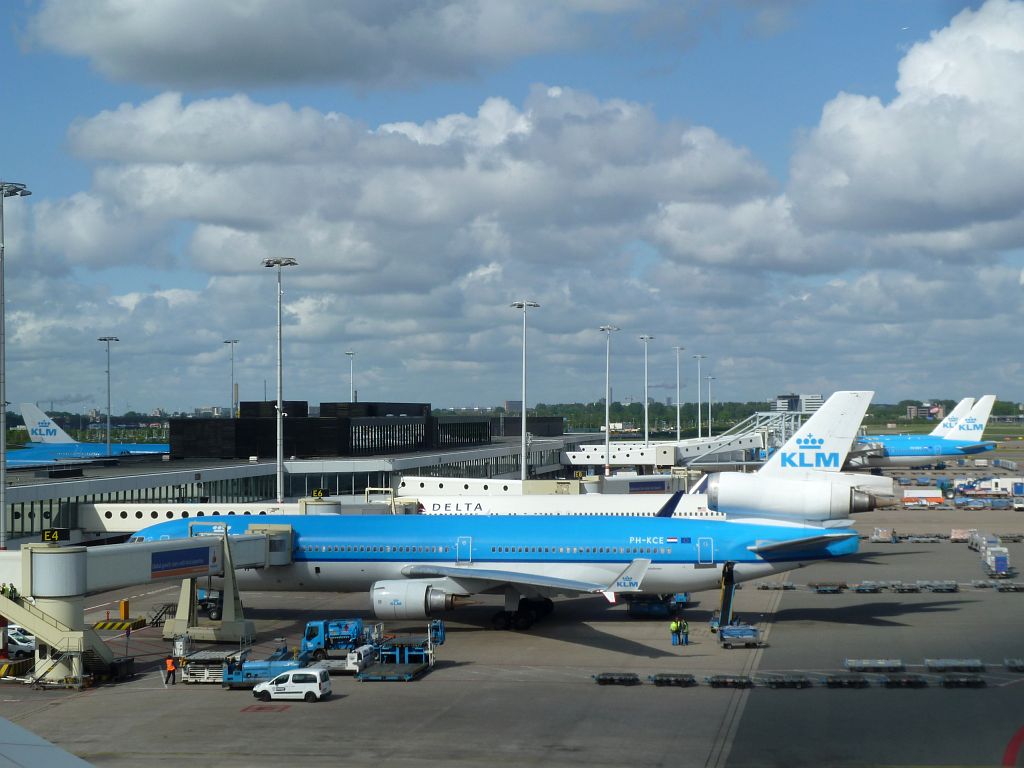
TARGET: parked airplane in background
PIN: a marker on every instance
(50, 444)
(414, 566)
(961, 438)
(946, 428)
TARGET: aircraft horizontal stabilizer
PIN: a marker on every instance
(985, 445)
(496, 577)
(799, 545)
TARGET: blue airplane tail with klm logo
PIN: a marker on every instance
(948, 425)
(973, 426)
(41, 428)
(824, 440)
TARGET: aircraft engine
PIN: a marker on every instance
(408, 599)
(804, 499)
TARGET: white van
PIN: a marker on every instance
(305, 684)
(20, 645)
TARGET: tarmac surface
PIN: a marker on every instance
(529, 698)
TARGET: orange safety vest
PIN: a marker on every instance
(170, 664)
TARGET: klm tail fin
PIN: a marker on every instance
(41, 428)
(973, 427)
(825, 439)
(948, 425)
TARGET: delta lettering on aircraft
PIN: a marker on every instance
(457, 506)
(43, 429)
(809, 455)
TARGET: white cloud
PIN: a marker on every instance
(943, 159)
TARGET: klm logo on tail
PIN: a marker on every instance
(971, 424)
(43, 429)
(809, 455)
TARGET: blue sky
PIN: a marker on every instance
(819, 195)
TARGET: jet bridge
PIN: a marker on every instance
(52, 582)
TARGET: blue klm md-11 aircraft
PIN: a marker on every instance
(414, 566)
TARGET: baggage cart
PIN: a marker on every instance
(739, 634)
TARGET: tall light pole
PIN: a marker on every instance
(7, 189)
(698, 358)
(234, 406)
(710, 379)
(647, 432)
(280, 262)
(351, 379)
(608, 330)
(108, 339)
(678, 403)
(524, 305)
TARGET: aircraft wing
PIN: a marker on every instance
(791, 545)
(628, 580)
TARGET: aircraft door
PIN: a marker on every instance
(464, 549)
(705, 550)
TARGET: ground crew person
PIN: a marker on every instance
(170, 669)
(684, 630)
(673, 627)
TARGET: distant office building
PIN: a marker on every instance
(792, 402)
(513, 406)
(810, 403)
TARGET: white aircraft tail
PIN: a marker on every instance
(825, 439)
(41, 428)
(973, 427)
(948, 425)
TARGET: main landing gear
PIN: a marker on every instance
(528, 612)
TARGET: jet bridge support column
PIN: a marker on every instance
(233, 626)
(728, 592)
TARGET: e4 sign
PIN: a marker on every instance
(56, 534)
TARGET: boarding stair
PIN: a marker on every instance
(159, 614)
(61, 639)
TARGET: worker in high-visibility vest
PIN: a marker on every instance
(684, 631)
(673, 627)
(169, 670)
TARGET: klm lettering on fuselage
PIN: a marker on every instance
(809, 455)
(43, 429)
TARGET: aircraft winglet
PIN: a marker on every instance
(630, 579)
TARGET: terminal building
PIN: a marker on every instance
(347, 449)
